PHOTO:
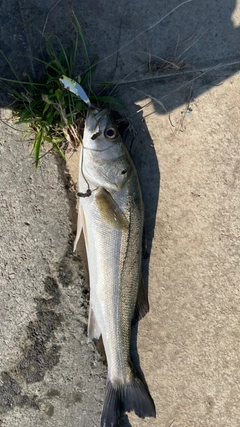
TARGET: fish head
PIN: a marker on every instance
(105, 159)
(100, 130)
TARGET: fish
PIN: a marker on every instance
(111, 217)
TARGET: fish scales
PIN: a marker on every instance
(113, 278)
(111, 218)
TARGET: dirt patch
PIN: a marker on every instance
(40, 353)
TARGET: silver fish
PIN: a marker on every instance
(111, 217)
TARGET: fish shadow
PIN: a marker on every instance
(142, 151)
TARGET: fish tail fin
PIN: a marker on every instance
(121, 398)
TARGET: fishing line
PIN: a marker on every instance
(89, 191)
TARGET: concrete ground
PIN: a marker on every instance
(186, 147)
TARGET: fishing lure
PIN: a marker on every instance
(76, 89)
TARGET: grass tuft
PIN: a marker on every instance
(52, 113)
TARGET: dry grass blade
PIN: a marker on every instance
(144, 31)
(154, 99)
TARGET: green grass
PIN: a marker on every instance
(52, 113)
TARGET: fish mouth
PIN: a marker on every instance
(96, 114)
(93, 121)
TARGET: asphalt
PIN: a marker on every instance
(185, 145)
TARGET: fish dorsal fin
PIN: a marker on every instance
(142, 304)
(110, 210)
(94, 330)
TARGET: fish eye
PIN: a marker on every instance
(111, 133)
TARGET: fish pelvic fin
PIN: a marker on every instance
(93, 329)
(121, 398)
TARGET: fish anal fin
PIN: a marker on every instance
(142, 304)
(110, 210)
(94, 330)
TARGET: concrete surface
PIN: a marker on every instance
(189, 342)
(47, 367)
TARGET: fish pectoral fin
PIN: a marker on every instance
(80, 223)
(142, 304)
(94, 330)
(110, 210)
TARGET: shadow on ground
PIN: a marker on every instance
(132, 41)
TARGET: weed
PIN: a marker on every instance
(51, 112)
